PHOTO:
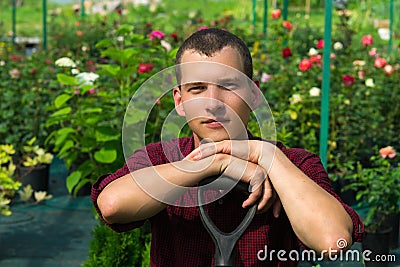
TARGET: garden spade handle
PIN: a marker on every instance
(224, 242)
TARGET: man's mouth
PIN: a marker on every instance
(215, 123)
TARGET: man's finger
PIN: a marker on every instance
(277, 207)
(252, 199)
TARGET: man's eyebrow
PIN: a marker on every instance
(192, 83)
(228, 80)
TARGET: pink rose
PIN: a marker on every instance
(367, 40)
(387, 152)
(380, 62)
(373, 52)
(388, 69)
(157, 35)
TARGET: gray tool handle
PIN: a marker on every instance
(224, 242)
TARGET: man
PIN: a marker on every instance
(296, 205)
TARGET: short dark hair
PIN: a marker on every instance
(212, 40)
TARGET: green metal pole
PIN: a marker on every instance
(323, 142)
(44, 25)
(82, 8)
(254, 15)
(14, 20)
(265, 24)
(285, 17)
(390, 27)
(285, 9)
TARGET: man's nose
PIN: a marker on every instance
(214, 99)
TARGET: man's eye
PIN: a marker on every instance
(197, 88)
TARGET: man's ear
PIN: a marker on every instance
(256, 95)
(178, 101)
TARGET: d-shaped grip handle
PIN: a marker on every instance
(224, 242)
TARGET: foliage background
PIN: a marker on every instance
(81, 123)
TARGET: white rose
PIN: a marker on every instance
(166, 45)
(296, 98)
(315, 91)
(313, 52)
(369, 82)
(338, 46)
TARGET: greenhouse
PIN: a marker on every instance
(199, 133)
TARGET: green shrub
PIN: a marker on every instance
(109, 248)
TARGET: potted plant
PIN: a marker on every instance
(378, 190)
(8, 185)
(33, 167)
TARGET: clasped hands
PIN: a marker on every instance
(248, 161)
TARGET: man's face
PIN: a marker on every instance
(215, 98)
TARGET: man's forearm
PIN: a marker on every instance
(142, 193)
(318, 219)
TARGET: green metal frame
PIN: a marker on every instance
(326, 81)
(44, 8)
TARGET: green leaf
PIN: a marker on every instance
(104, 43)
(92, 110)
(105, 155)
(124, 29)
(67, 146)
(72, 180)
(66, 130)
(65, 79)
(92, 120)
(61, 112)
(110, 70)
(104, 134)
(61, 99)
(128, 53)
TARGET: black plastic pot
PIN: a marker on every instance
(379, 244)
(37, 177)
(393, 221)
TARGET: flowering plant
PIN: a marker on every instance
(378, 187)
(8, 185)
(86, 118)
(35, 156)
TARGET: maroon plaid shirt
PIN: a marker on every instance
(178, 236)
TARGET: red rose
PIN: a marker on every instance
(276, 14)
(287, 25)
(348, 80)
(143, 68)
(316, 59)
(320, 44)
(305, 64)
(286, 52)
(174, 36)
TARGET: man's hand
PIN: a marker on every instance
(243, 162)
